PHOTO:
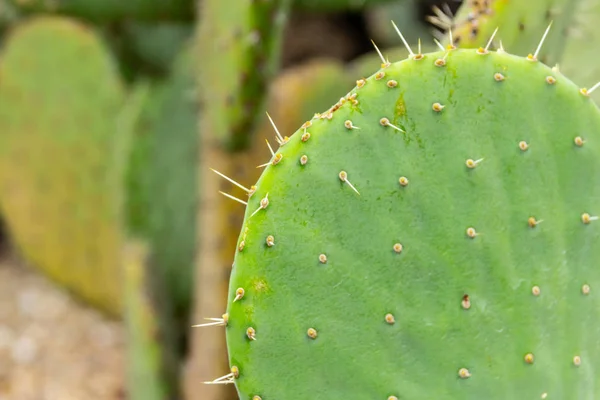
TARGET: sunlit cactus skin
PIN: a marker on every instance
(434, 234)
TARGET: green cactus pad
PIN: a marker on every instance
(63, 131)
(336, 5)
(466, 268)
(108, 10)
(240, 51)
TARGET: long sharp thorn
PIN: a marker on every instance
(233, 198)
(450, 37)
(537, 51)
(222, 380)
(403, 40)
(419, 45)
(441, 46)
(383, 60)
(270, 148)
(264, 203)
(208, 324)
(352, 186)
(593, 88)
(489, 43)
(276, 130)
(230, 180)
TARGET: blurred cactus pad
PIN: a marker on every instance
(109, 10)
(433, 235)
(63, 135)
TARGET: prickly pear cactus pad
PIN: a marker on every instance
(62, 128)
(431, 236)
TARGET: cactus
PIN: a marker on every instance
(520, 22)
(155, 46)
(64, 132)
(573, 38)
(240, 53)
(173, 183)
(405, 13)
(433, 235)
(337, 5)
(147, 358)
(111, 10)
(363, 66)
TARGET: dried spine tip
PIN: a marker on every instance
(392, 83)
(471, 232)
(239, 294)
(304, 159)
(585, 289)
(550, 80)
(305, 136)
(256, 398)
(360, 83)
(499, 77)
(379, 75)
(587, 218)
(241, 245)
(322, 258)
(577, 361)
(535, 290)
(389, 318)
(270, 240)
(398, 248)
(392, 398)
(235, 371)
(523, 145)
(403, 181)
(312, 333)
(579, 141)
(464, 373)
(466, 302)
(251, 333)
(529, 358)
(437, 107)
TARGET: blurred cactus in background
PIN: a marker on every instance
(65, 129)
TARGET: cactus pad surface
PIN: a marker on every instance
(62, 139)
(431, 236)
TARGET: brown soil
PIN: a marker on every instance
(52, 347)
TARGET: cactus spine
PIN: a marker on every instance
(432, 235)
